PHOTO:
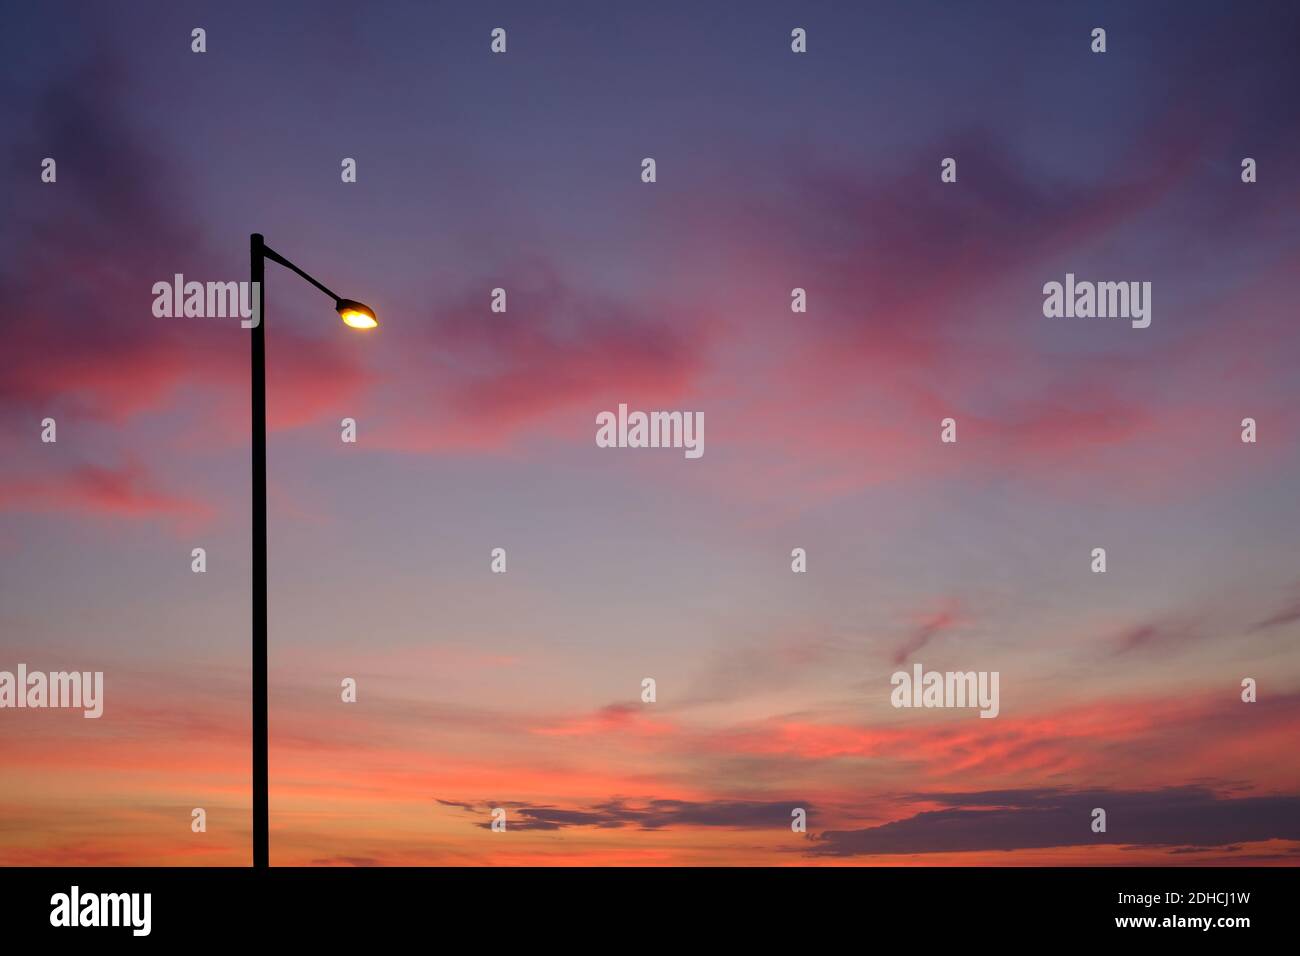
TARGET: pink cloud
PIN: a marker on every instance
(123, 492)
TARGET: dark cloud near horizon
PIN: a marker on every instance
(1038, 818)
(346, 861)
(650, 815)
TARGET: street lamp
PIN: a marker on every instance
(357, 316)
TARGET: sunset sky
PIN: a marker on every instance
(476, 430)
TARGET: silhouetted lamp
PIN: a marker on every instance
(356, 316)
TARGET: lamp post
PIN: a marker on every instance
(357, 316)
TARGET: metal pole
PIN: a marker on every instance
(261, 809)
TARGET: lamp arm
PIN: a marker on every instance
(276, 257)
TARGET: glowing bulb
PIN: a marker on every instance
(356, 315)
(359, 320)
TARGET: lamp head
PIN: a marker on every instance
(356, 315)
